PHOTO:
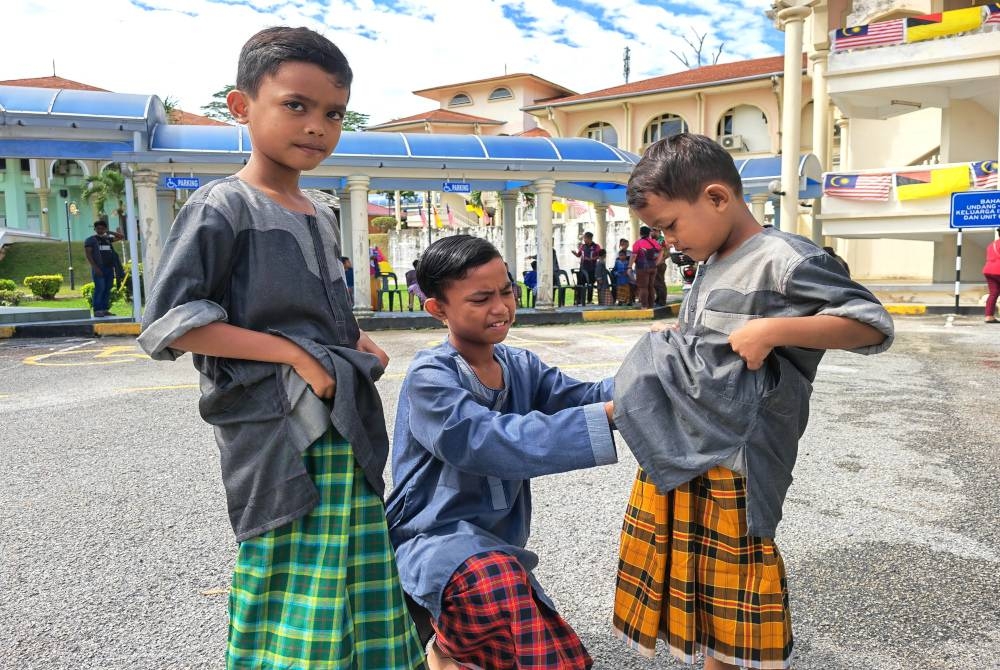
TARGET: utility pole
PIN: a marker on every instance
(627, 60)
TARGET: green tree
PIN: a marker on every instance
(105, 187)
(218, 109)
(170, 106)
(355, 120)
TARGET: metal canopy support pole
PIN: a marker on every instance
(543, 231)
(132, 230)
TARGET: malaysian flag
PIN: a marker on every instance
(992, 14)
(858, 186)
(878, 34)
(984, 174)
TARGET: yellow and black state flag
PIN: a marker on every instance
(929, 26)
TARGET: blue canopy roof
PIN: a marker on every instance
(758, 173)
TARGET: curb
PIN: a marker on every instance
(905, 309)
(6, 332)
(116, 329)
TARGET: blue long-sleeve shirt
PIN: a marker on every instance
(463, 455)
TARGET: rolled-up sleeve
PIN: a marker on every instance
(191, 282)
(821, 285)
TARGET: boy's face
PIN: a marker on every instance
(478, 309)
(697, 229)
(296, 118)
(101, 230)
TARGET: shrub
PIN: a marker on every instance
(44, 286)
(8, 285)
(117, 293)
(382, 224)
(126, 285)
(9, 298)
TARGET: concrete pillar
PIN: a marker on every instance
(844, 124)
(820, 131)
(346, 232)
(508, 217)
(634, 225)
(357, 188)
(146, 182)
(543, 189)
(790, 20)
(43, 209)
(757, 203)
(601, 215)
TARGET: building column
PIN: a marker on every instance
(508, 216)
(344, 219)
(543, 189)
(357, 188)
(43, 209)
(790, 19)
(820, 131)
(146, 182)
(634, 225)
(601, 216)
(757, 203)
(844, 124)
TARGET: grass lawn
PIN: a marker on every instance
(76, 302)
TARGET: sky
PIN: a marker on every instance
(187, 49)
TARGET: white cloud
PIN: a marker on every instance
(188, 49)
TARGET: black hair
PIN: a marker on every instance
(588, 234)
(602, 252)
(451, 258)
(679, 167)
(101, 222)
(269, 49)
(644, 231)
(622, 240)
(416, 262)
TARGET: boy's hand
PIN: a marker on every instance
(752, 342)
(366, 345)
(315, 375)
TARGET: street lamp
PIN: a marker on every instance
(71, 209)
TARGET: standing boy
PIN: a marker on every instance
(714, 410)
(476, 421)
(587, 252)
(250, 284)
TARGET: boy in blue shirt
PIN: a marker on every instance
(476, 421)
(249, 283)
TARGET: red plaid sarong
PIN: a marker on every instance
(491, 618)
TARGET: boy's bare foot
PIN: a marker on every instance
(713, 664)
(438, 661)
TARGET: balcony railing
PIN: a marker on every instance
(968, 20)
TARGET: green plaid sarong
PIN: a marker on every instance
(322, 592)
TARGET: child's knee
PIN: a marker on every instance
(491, 577)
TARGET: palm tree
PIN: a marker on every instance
(107, 186)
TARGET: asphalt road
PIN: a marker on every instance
(115, 549)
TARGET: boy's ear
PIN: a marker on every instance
(237, 102)
(719, 195)
(433, 307)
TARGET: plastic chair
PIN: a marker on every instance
(583, 287)
(529, 293)
(559, 288)
(393, 292)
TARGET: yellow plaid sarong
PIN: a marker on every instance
(689, 574)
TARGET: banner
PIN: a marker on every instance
(920, 184)
(929, 26)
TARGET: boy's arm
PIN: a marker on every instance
(225, 340)
(448, 421)
(754, 341)
(840, 314)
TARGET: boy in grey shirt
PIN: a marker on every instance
(714, 409)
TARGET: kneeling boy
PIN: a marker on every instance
(476, 421)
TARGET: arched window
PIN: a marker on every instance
(502, 93)
(744, 128)
(663, 126)
(602, 132)
(459, 100)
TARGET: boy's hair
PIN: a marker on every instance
(269, 49)
(100, 223)
(678, 168)
(588, 234)
(450, 259)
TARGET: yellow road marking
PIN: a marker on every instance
(102, 356)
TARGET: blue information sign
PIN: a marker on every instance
(456, 187)
(975, 209)
(190, 183)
